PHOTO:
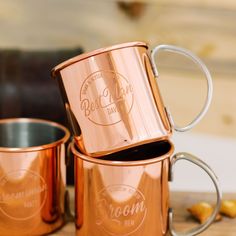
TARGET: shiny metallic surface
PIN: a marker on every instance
(193, 159)
(202, 66)
(127, 193)
(121, 197)
(112, 99)
(32, 176)
(94, 53)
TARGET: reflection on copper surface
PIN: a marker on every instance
(123, 198)
(112, 96)
(32, 186)
(127, 193)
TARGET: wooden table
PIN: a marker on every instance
(179, 202)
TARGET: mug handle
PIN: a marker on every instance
(202, 66)
(208, 170)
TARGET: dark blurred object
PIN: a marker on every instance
(132, 9)
(26, 89)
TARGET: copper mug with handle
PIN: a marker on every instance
(112, 98)
(33, 197)
(127, 193)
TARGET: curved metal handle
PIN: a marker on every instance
(208, 170)
(203, 68)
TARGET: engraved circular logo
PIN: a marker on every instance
(23, 194)
(120, 209)
(106, 98)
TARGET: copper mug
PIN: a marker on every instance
(32, 176)
(112, 98)
(127, 193)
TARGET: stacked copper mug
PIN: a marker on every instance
(121, 128)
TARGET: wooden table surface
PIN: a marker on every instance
(179, 202)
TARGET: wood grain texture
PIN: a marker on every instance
(206, 27)
(184, 93)
(227, 4)
(179, 202)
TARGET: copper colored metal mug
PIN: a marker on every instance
(32, 176)
(128, 194)
(113, 101)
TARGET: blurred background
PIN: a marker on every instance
(37, 35)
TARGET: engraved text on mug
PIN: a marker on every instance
(120, 209)
(106, 97)
(23, 194)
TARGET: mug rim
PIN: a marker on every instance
(34, 121)
(99, 161)
(95, 52)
